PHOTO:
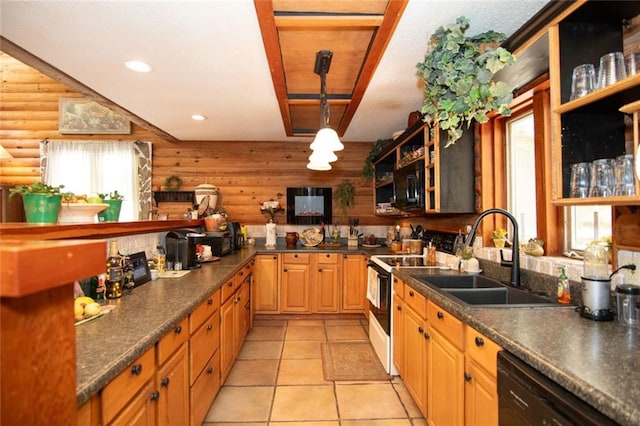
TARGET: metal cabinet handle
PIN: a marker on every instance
(136, 369)
(426, 336)
(411, 293)
(479, 341)
(210, 302)
(295, 255)
(165, 382)
(440, 315)
(155, 395)
(210, 327)
(230, 283)
(467, 377)
(420, 329)
(399, 307)
(178, 329)
(284, 270)
(210, 370)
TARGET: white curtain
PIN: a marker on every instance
(96, 167)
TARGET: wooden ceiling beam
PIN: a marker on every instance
(328, 21)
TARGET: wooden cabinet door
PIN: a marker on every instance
(241, 316)
(415, 356)
(295, 288)
(172, 381)
(480, 396)
(354, 283)
(140, 410)
(445, 378)
(265, 284)
(398, 333)
(325, 282)
(227, 343)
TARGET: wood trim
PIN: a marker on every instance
(328, 21)
(49, 70)
(391, 18)
(266, 20)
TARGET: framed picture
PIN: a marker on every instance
(140, 267)
(84, 116)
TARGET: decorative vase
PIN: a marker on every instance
(41, 208)
(271, 234)
(111, 213)
(499, 242)
(291, 238)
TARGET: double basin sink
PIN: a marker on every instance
(481, 291)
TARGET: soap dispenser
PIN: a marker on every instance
(564, 290)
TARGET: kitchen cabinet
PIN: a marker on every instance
(295, 283)
(265, 287)
(172, 377)
(130, 395)
(204, 356)
(354, 283)
(325, 282)
(416, 347)
(234, 320)
(591, 127)
(448, 173)
(480, 388)
(445, 371)
(398, 325)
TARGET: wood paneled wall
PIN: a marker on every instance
(247, 172)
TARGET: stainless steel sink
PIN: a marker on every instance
(481, 291)
(459, 281)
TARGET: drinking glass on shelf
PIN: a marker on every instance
(583, 80)
(580, 180)
(604, 178)
(624, 183)
(612, 69)
(632, 62)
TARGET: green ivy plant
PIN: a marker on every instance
(345, 196)
(458, 78)
(368, 169)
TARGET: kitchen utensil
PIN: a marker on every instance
(580, 176)
(611, 70)
(583, 80)
(627, 298)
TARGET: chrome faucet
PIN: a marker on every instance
(515, 258)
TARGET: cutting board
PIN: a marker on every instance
(173, 274)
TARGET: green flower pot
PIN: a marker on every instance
(41, 208)
(111, 213)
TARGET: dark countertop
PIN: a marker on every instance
(597, 361)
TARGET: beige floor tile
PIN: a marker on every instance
(335, 423)
(267, 322)
(406, 399)
(305, 333)
(305, 322)
(332, 322)
(235, 424)
(369, 401)
(266, 333)
(241, 404)
(346, 332)
(261, 349)
(384, 422)
(298, 403)
(253, 372)
(301, 372)
(301, 349)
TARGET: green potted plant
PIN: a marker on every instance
(368, 169)
(111, 213)
(41, 201)
(499, 237)
(457, 72)
(345, 196)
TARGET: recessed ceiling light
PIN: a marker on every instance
(138, 66)
(198, 117)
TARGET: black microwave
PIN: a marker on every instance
(409, 185)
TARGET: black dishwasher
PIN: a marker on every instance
(527, 397)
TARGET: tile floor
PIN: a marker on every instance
(278, 380)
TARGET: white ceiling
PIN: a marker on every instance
(208, 58)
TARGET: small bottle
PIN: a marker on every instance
(115, 274)
(564, 291)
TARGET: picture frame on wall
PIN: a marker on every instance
(84, 116)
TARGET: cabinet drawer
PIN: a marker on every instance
(328, 258)
(227, 289)
(204, 390)
(241, 275)
(301, 258)
(398, 287)
(204, 342)
(448, 325)
(172, 340)
(482, 350)
(416, 301)
(202, 312)
(121, 389)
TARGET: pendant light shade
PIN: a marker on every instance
(323, 156)
(327, 139)
(319, 166)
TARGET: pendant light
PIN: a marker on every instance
(326, 141)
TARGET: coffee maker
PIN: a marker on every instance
(181, 247)
(237, 239)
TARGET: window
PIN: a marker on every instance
(95, 167)
(521, 174)
(585, 224)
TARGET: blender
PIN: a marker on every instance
(596, 284)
